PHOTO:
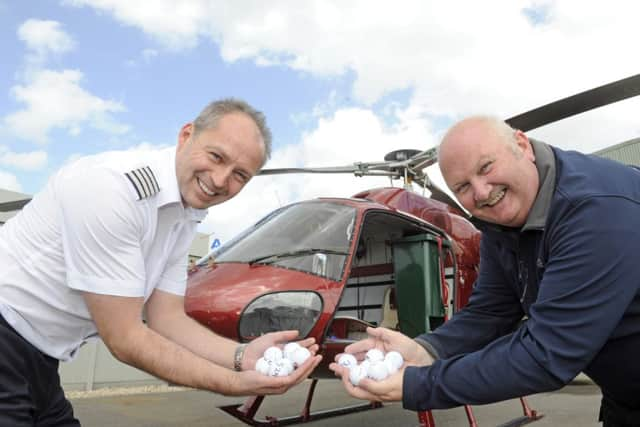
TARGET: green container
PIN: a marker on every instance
(416, 263)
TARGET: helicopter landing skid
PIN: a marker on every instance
(529, 416)
(247, 411)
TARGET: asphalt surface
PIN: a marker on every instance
(574, 405)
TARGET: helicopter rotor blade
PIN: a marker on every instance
(358, 169)
(576, 104)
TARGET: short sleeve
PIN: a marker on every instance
(101, 231)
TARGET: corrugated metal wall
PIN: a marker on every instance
(627, 152)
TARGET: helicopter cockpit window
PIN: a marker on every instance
(311, 237)
(281, 311)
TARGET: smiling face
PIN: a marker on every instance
(491, 170)
(214, 164)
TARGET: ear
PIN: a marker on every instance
(185, 134)
(525, 145)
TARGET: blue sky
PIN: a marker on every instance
(340, 82)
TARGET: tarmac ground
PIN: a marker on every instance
(575, 405)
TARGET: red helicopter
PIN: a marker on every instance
(330, 267)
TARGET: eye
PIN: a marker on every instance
(241, 177)
(215, 156)
(461, 189)
(486, 168)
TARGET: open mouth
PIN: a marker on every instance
(496, 198)
(206, 189)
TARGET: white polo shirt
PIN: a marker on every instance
(110, 224)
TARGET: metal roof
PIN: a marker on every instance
(7, 196)
(626, 152)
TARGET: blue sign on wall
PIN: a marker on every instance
(215, 244)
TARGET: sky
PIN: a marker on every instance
(339, 81)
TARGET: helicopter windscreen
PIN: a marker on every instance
(313, 237)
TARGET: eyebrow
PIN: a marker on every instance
(481, 162)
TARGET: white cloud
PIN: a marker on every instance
(9, 182)
(454, 58)
(176, 24)
(31, 161)
(43, 38)
(55, 99)
(457, 57)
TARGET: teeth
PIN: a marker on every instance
(495, 199)
(206, 189)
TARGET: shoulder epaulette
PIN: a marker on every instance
(143, 181)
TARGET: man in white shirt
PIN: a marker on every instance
(105, 242)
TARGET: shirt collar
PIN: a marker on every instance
(546, 165)
(164, 167)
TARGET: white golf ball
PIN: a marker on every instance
(262, 366)
(300, 356)
(347, 360)
(378, 371)
(395, 359)
(356, 373)
(289, 348)
(391, 367)
(273, 354)
(365, 365)
(374, 355)
(276, 370)
(286, 365)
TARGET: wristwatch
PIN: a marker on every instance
(237, 357)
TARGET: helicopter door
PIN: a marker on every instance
(416, 262)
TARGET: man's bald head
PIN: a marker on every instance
(490, 168)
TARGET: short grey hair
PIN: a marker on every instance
(212, 113)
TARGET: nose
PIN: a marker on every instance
(481, 190)
(220, 179)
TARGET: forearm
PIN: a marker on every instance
(193, 336)
(147, 350)
(466, 332)
(503, 370)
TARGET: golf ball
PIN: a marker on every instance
(262, 366)
(289, 348)
(378, 371)
(286, 365)
(374, 355)
(395, 359)
(300, 355)
(391, 367)
(357, 373)
(273, 354)
(347, 360)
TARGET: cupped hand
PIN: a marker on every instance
(256, 348)
(253, 383)
(387, 390)
(387, 340)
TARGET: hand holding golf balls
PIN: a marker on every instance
(376, 365)
(277, 362)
